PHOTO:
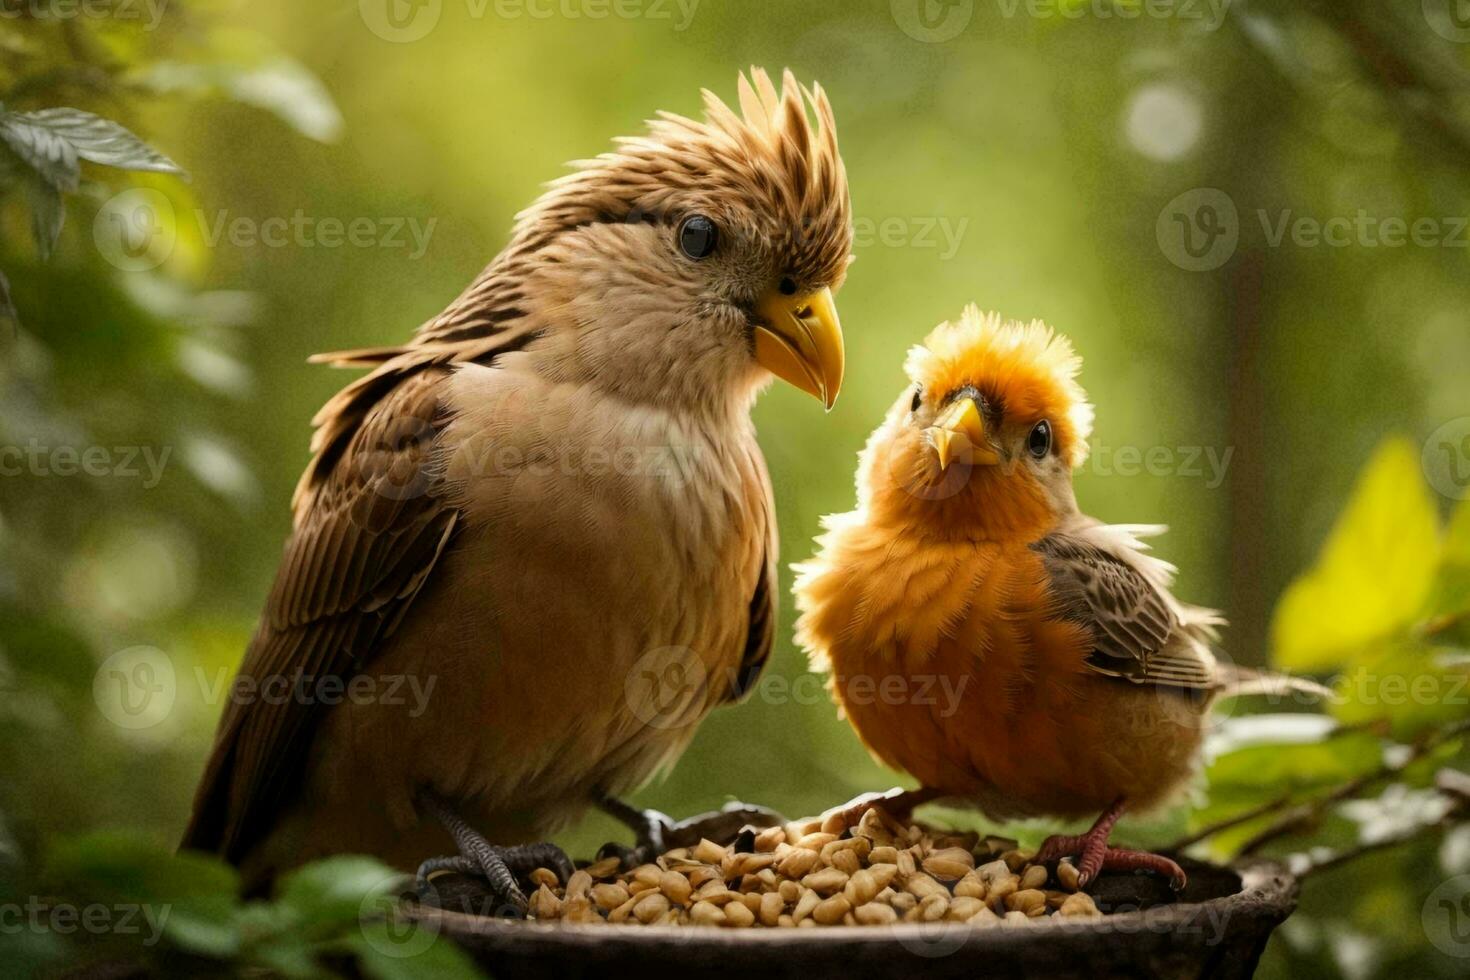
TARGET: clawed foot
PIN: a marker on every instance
(1094, 855)
(500, 867)
(896, 803)
(658, 832)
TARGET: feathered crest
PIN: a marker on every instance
(1027, 369)
(776, 161)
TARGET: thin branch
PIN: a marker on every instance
(1210, 830)
(1308, 815)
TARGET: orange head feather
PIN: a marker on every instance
(982, 444)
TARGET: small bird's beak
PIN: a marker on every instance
(799, 340)
(959, 433)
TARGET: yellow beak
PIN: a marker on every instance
(959, 433)
(799, 340)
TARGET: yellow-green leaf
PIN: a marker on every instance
(1374, 574)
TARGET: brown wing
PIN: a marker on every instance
(368, 532)
(1136, 633)
(760, 637)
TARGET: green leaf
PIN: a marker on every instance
(276, 84)
(382, 956)
(46, 152)
(48, 214)
(1452, 591)
(1374, 574)
(336, 890)
(99, 140)
(7, 305)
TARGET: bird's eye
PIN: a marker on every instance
(1038, 443)
(697, 236)
(918, 399)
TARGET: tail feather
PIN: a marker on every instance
(1243, 681)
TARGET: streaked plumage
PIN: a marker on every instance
(557, 475)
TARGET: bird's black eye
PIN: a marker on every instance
(1038, 443)
(697, 236)
(788, 286)
(918, 399)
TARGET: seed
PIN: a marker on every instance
(545, 876)
(934, 907)
(714, 891)
(772, 905)
(544, 904)
(903, 901)
(1016, 860)
(942, 864)
(906, 864)
(1015, 919)
(997, 892)
(874, 914)
(708, 852)
(883, 854)
(883, 874)
(605, 868)
(676, 887)
(970, 886)
(1026, 901)
(847, 861)
(964, 909)
(651, 906)
(647, 874)
(922, 886)
(798, 862)
(862, 887)
(815, 842)
(1080, 904)
(767, 839)
(624, 911)
(805, 906)
(826, 881)
(1033, 877)
(790, 891)
(786, 922)
(579, 910)
(1069, 876)
(736, 914)
(992, 872)
(831, 910)
(702, 874)
(609, 896)
(705, 914)
(579, 884)
(985, 917)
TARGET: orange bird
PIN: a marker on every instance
(986, 636)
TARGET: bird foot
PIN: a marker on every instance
(896, 803)
(657, 832)
(499, 867)
(1094, 856)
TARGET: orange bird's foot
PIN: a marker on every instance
(1094, 855)
(896, 803)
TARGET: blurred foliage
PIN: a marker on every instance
(1024, 162)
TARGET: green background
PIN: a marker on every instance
(1047, 147)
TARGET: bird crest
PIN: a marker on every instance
(1026, 370)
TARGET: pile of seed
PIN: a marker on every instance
(814, 873)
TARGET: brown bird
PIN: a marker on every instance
(551, 490)
(985, 635)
